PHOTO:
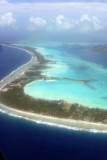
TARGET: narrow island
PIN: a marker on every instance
(13, 98)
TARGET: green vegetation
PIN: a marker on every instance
(16, 98)
(13, 95)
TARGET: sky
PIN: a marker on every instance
(51, 20)
(14, 1)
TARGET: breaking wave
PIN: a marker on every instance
(52, 124)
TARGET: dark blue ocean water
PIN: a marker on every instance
(11, 59)
(25, 140)
(86, 53)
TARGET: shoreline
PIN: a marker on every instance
(45, 119)
(18, 71)
(54, 121)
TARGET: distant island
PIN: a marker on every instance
(100, 48)
(12, 94)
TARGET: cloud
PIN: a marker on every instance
(7, 19)
(2, 2)
(84, 24)
(85, 17)
(97, 24)
(39, 22)
(56, 19)
(63, 22)
(47, 9)
(87, 23)
(59, 19)
(60, 23)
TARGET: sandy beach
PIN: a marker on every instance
(47, 120)
(53, 121)
(19, 71)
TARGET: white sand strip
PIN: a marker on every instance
(13, 75)
(47, 120)
(53, 121)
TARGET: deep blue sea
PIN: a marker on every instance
(11, 59)
(26, 140)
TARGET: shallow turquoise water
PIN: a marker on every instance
(74, 61)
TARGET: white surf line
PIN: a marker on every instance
(45, 121)
(52, 121)
(17, 72)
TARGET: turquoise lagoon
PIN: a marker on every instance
(73, 61)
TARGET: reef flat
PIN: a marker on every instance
(12, 94)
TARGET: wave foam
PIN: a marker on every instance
(52, 124)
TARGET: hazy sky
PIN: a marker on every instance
(53, 20)
(57, 1)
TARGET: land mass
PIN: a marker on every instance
(12, 94)
(100, 49)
